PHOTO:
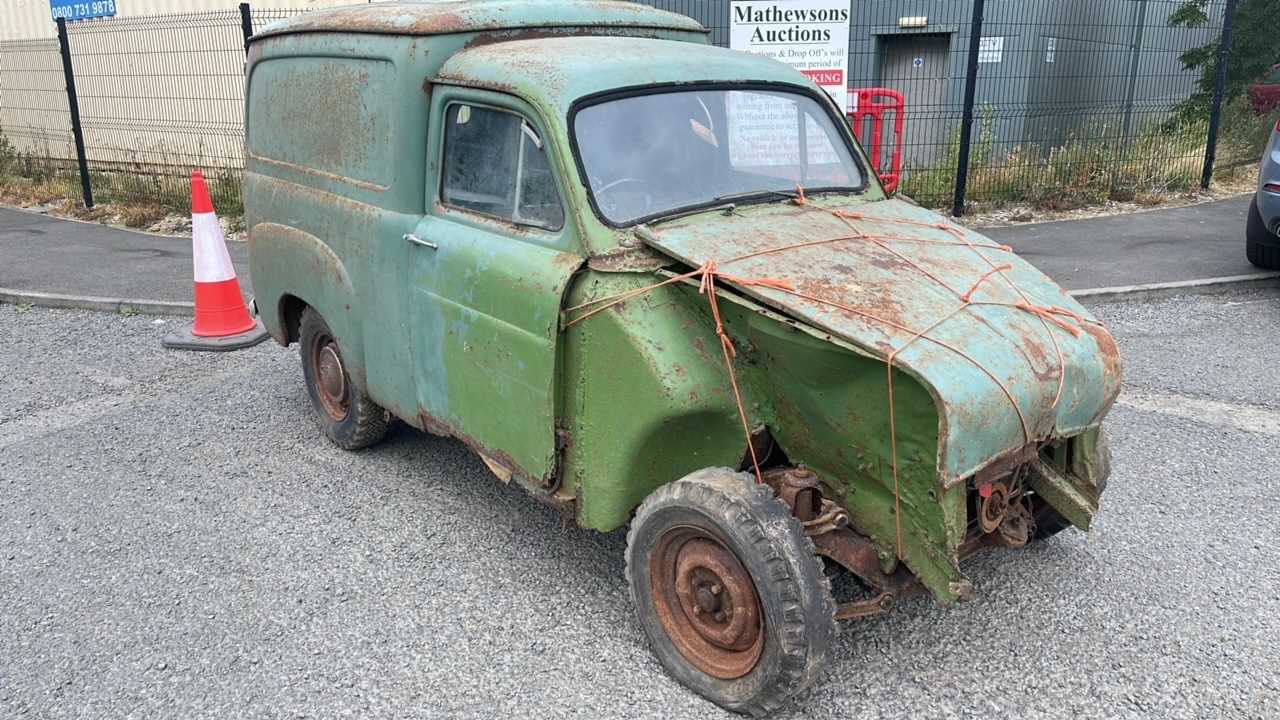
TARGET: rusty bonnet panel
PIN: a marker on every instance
(889, 279)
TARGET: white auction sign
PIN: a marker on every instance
(810, 35)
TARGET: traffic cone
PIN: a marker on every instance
(222, 319)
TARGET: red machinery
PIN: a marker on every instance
(874, 103)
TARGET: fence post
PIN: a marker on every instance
(970, 93)
(1135, 64)
(64, 48)
(1219, 89)
(246, 23)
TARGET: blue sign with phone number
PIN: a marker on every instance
(82, 9)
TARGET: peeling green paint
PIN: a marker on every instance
(470, 338)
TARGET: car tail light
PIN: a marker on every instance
(1272, 187)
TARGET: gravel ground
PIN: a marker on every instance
(177, 540)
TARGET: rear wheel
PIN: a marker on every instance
(1261, 246)
(346, 414)
(729, 590)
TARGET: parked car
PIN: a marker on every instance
(1265, 94)
(653, 283)
(1262, 233)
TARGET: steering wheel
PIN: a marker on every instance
(610, 187)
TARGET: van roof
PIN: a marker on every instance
(556, 72)
(443, 17)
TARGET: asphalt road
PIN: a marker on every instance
(49, 254)
(178, 541)
(46, 254)
(1167, 245)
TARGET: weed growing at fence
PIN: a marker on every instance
(161, 177)
(1245, 134)
(141, 193)
(1092, 165)
(33, 178)
(8, 158)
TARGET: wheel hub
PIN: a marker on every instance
(331, 380)
(707, 603)
(994, 506)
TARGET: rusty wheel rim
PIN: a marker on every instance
(331, 378)
(706, 602)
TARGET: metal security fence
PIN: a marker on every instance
(1058, 103)
(36, 142)
(1078, 102)
(157, 96)
(154, 97)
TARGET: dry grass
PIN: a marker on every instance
(27, 193)
(140, 216)
(97, 213)
(1093, 166)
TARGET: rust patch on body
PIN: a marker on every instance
(622, 260)
(452, 18)
(490, 456)
(1107, 348)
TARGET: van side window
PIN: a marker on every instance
(495, 164)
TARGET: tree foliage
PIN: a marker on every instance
(1255, 47)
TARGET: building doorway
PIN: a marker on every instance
(919, 67)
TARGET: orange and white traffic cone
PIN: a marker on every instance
(222, 319)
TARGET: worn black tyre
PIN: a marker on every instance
(1261, 246)
(1049, 522)
(729, 590)
(344, 411)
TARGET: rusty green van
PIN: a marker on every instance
(652, 282)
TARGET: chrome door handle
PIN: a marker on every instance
(419, 241)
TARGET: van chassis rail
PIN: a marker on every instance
(827, 525)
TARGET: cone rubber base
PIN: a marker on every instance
(184, 339)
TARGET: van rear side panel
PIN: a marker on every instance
(335, 148)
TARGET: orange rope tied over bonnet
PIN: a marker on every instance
(1045, 314)
(709, 273)
(707, 288)
(968, 297)
(706, 275)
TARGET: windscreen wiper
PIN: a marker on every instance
(788, 194)
(727, 208)
(724, 203)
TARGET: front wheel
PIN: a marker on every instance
(729, 590)
(346, 414)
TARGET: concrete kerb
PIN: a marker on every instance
(93, 302)
(1203, 286)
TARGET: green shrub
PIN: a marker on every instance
(8, 158)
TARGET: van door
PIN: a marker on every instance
(489, 267)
